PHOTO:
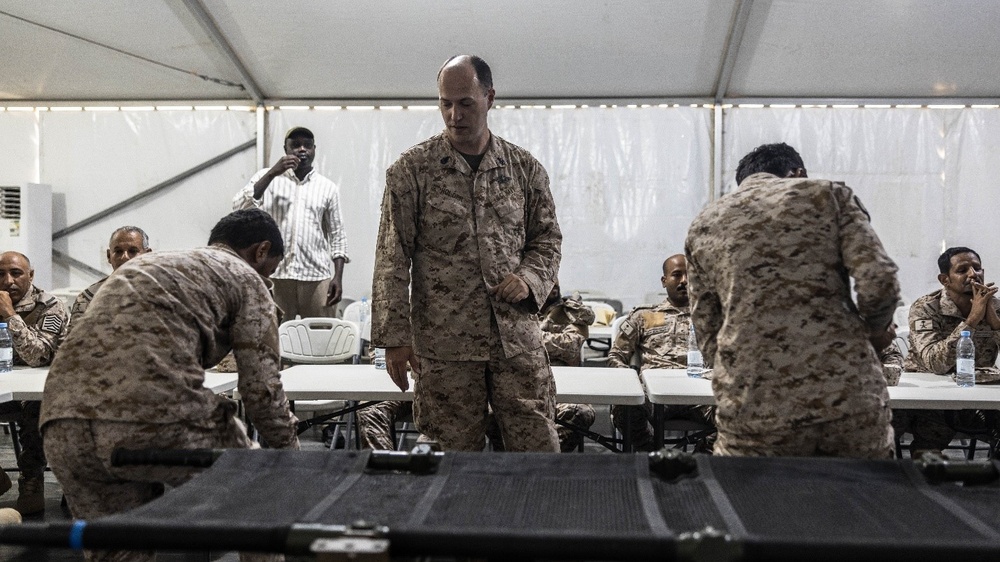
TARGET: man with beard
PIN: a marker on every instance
(659, 333)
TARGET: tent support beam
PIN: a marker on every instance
(153, 190)
(201, 14)
(733, 42)
(73, 262)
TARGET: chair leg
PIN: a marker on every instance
(15, 440)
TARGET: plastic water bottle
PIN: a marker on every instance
(965, 361)
(6, 349)
(696, 365)
(379, 360)
(365, 313)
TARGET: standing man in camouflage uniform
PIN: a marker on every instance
(126, 243)
(469, 224)
(132, 374)
(937, 320)
(795, 372)
(565, 326)
(659, 333)
(37, 324)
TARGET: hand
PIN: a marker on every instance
(333, 293)
(6, 305)
(982, 297)
(988, 291)
(512, 289)
(396, 359)
(883, 339)
(287, 162)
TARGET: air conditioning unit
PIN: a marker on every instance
(26, 226)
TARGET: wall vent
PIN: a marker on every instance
(10, 202)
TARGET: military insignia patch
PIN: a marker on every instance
(52, 324)
(627, 328)
(924, 325)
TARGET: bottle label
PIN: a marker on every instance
(965, 366)
(694, 359)
(6, 354)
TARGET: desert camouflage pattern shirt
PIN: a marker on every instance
(81, 303)
(446, 234)
(935, 326)
(659, 333)
(140, 352)
(565, 326)
(38, 328)
(768, 269)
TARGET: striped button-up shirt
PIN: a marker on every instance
(308, 215)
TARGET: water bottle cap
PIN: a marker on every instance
(3, 324)
(364, 299)
(966, 333)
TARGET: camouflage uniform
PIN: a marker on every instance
(892, 364)
(81, 303)
(935, 326)
(659, 333)
(131, 376)
(794, 372)
(564, 328)
(448, 233)
(37, 330)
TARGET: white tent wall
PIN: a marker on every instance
(626, 181)
(925, 175)
(95, 159)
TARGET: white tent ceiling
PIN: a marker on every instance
(379, 50)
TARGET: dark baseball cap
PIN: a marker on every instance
(299, 132)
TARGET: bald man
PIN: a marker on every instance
(469, 224)
(659, 334)
(37, 323)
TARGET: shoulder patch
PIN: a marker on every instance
(924, 325)
(627, 329)
(52, 323)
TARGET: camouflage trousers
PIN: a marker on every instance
(929, 428)
(933, 430)
(376, 424)
(451, 401)
(80, 455)
(640, 421)
(862, 436)
(31, 461)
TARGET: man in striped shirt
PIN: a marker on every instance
(306, 207)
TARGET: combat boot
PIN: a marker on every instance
(30, 495)
(5, 482)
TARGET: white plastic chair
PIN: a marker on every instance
(352, 313)
(321, 341)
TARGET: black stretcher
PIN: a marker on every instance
(665, 506)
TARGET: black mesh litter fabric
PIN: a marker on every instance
(591, 493)
(484, 503)
(836, 500)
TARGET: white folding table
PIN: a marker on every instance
(28, 383)
(585, 385)
(914, 391)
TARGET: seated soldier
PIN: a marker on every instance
(37, 323)
(659, 333)
(565, 326)
(126, 243)
(936, 321)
